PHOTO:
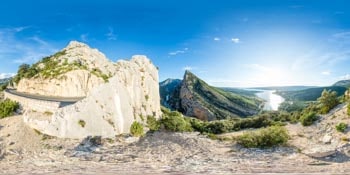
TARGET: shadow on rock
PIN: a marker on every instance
(89, 144)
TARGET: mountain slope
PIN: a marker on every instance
(4, 80)
(166, 89)
(195, 98)
(343, 83)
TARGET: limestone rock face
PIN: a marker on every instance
(71, 72)
(110, 109)
(194, 97)
(193, 107)
(76, 83)
(92, 58)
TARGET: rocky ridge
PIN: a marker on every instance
(193, 97)
(71, 72)
(109, 109)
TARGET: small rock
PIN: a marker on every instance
(319, 152)
(131, 139)
(327, 139)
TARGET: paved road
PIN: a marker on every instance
(46, 98)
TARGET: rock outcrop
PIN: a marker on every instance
(71, 72)
(111, 108)
(76, 83)
(193, 97)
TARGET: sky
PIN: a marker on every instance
(227, 43)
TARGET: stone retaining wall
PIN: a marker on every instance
(33, 104)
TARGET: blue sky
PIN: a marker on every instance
(239, 43)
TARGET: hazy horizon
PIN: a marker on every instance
(240, 43)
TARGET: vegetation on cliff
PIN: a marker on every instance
(53, 66)
(7, 108)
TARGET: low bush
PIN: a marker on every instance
(152, 123)
(3, 87)
(341, 127)
(82, 123)
(348, 109)
(7, 108)
(308, 119)
(264, 138)
(175, 121)
(136, 129)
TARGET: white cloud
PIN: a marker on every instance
(326, 73)
(110, 35)
(316, 58)
(345, 77)
(84, 37)
(20, 29)
(22, 50)
(342, 35)
(187, 68)
(235, 40)
(258, 67)
(6, 75)
(176, 52)
(31, 56)
(217, 39)
(38, 40)
(182, 51)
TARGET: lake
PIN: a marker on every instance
(272, 101)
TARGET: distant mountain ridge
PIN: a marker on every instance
(343, 83)
(166, 89)
(310, 94)
(4, 80)
(194, 97)
(284, 88)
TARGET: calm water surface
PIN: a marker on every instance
(272, 101)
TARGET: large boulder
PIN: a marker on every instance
(111, 108)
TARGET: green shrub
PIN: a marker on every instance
(152, 123)
(341, 127)
(82, 123)
(3, 87)
(348, 109)
(174, 121)
(328, 101)
(308, 119)
(264, 138)
(136, 129)
(7, 108)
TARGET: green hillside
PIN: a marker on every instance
(310, 94)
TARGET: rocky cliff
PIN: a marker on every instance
(193, 97)
(71, 72)
(110, 109)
